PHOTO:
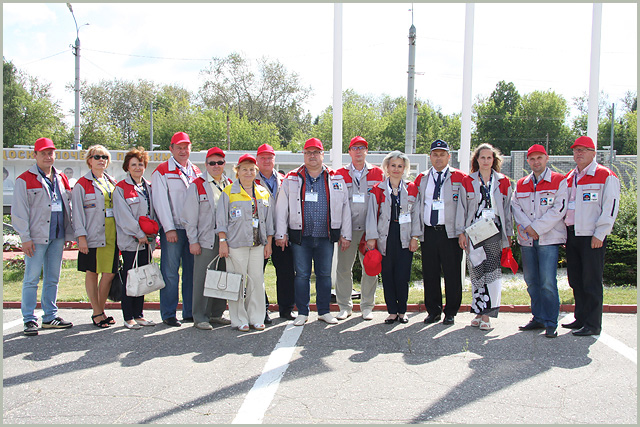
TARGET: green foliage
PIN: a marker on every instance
(621, 261)
(29, 111)
(626, 225)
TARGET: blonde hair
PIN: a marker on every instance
(396, 155)
(96, 149)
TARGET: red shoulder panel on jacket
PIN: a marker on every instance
(412, 189)
(344, 172)
(505, 184)
(87, 185)
(30, 179)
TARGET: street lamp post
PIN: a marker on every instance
(76, 52)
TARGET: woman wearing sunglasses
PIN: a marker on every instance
(94, 226)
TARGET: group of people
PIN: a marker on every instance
(297, 219)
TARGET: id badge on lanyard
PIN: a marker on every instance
(56, 206)
(404, 218)
(488, 213)
(311, 197)
(358, 198)
(437, 205)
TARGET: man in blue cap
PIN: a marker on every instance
(438, 193)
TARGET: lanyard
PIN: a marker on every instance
(438, 184)
(486, 189)
(107, 187)
(183, 172)
(52, 185)
(143, 189)
(216, 184)
(536, 181)
(254, 201)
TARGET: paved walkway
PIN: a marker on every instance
(353, 372)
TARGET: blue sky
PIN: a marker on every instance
(536, 46)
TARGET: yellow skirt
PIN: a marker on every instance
(105, 255)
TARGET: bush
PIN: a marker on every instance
(620, 261)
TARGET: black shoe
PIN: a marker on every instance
(432, 318)
(172, 321)
(267, 319)
(573, 325)
(404, 319)
(31, 328)
(448, 319)
(287, 316)
(389, 321)
(532, 325)
(585, 331)
(57, 323)
(551, 332)
(187, 320)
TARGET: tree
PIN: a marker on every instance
(29, 111)
(543, 118)
(498, 117)
(272, 95)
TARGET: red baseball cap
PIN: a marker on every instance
(313, 143)
(147, 225)
(180, 137)
(584, 141)
(372, 262)
(247, 158)
(536, 148)
(215, 151)
(358, 140)
(43, 144)
(265, 149)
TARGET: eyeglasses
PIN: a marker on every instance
(358, 148)
(582, 150)
(98, 157)
(312, 153)
(219, 162)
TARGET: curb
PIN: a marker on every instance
(419, 308)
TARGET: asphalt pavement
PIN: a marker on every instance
(354, 372)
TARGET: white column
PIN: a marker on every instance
(336, 143)
(465, 142)
(594, 74)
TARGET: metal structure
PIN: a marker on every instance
(76, 52)
(409, 132)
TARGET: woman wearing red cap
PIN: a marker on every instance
(392, 224)
(94, 226)
(245, 227)
(131, 201)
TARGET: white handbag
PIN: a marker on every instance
(222, 284)
(145, 279)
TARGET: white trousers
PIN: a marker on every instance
(250, 308)
(344, 278)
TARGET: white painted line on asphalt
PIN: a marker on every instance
(611, 342)
(261, 394)
(13, 323)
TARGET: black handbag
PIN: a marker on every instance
(115, 292)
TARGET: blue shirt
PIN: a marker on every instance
(56, 225)
(315, 213)
(271, 182)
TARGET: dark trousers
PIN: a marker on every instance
(132, 306)
(396, 272)
(439, 251)
(283, 263)
(584, 268)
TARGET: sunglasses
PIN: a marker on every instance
(219, 162)
(98, 157)
(358, 148)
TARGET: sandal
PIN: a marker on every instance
(485, 326)
(243, 328)
(475, 322)
(100, 324)
(259, 326)
(110, 320)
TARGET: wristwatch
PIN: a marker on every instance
(416, 239)
(223, 240)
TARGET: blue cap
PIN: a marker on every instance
(439, 144)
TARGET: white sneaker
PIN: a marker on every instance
(343, 314)
(367, 314)
(327, 317)
(301, 319)
(206, 326)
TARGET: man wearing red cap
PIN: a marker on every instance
(282, 260)
(360, 176)
(539, 205)
(312, 213)
(592, 208)
(170, 181)
(199, 223)
(41, 215)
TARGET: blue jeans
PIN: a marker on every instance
(540, 266)
(170, 256)
(46, 259)
(320, 250)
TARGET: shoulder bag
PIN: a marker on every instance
(143, 280)
(222, 284)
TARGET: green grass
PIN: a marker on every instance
(71, 288)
